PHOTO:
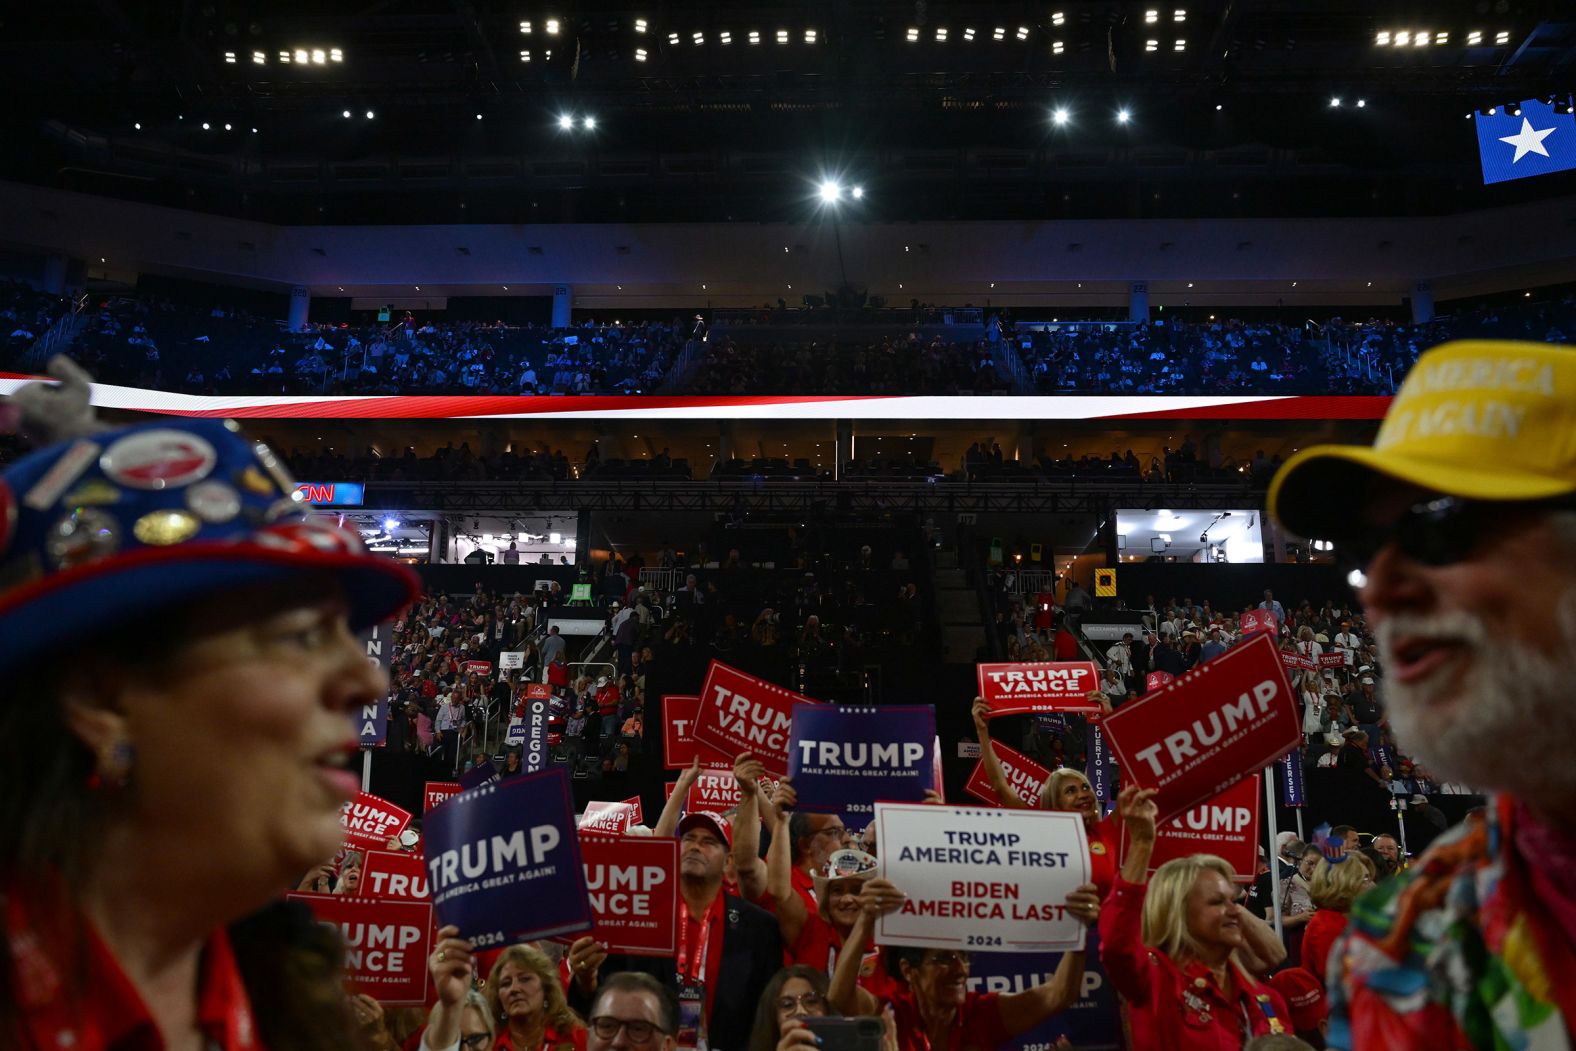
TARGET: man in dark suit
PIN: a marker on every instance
(728, 948)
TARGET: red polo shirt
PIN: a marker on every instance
(976, 1027)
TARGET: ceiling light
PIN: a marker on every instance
(137, 126)
(782, 36)
(565, 121)
(1023, 32)
(589, 124)
(1000, 33)
(1475, 37)
(552, 27)
(640, 54)
(284, 56)
(227, 127)
(205, 124)
(525, 56)
(699, 38)
(335, 55)
(1421, 40)
(1335, 101)
(640, 25)
(1502, 37)
(301, 56)
(525, 27)
(1057, 18)
(1151, 45)
(1179, 15)
(1060, 115)
(1383, 38)
(259, 58)
(941, 34)
(1403, 37)
(478, 116)
(1218, 107)
(1123, 116)
(726, 37)
(859, 193)
(755, 36)
(254, 131)
(1056, 47)
(1361, 103)
(1151, 17)
(809, 36)
(830, 191)
(1181, 45)
(319, 56)
(673, 38)
(968, 33)
(1441, 38)
(229, 57)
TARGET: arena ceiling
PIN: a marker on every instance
(429, 111)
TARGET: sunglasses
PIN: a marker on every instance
(1446, 529)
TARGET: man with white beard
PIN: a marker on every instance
(1463, 518)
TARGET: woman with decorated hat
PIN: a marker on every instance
(162, 592)
(1065, 789)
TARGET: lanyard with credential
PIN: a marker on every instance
(699, 974)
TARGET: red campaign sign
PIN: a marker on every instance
(679, 747)
(386, 944)
(1038, 686)
(1156, 679)
(479, 667)
(741, 713)
(1226, 826)
(1332, 660)
(1255, 621)
(634, 892)
(397, 877)
(615, 818)
(1024, 775)
(371, 822)
(1216, 725)
(714, 790)
(437, 792)
(538, 691)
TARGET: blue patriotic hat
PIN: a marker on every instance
(103, 528)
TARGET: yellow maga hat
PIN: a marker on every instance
(1481, 419)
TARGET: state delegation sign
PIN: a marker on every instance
(842, 756)
(386, 944)
(503, 861)
(982, 880)
(1038, 686)
(741, 713)
(1026, 777)
(370, 822)
(1213, 727)
(634, 890)
(1226, 825)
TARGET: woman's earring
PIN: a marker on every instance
(113, 769)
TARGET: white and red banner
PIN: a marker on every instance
(483, 668)
(1038, 686)
(1219, 723)
(982, 880)
(613, 818)
(679, 747)
(741, 713)
(1024, 775)
(436, 792)
(1333, 660)
(1156, 679)
(634, 890)
(726, 407)
(401, 877)
(371, 822)
(386, 944)
(1226, 825)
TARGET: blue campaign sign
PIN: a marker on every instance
(844, 756)
(503, 861)
(1533, 138)
(479, 774)
(332, 494)
(1092, 1024)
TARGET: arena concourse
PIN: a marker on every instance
(885, 526)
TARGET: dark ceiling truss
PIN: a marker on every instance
(515, 498)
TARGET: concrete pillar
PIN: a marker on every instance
(1422, 302)
(1138, 301)
(300, 303)
(55, 274)
(562, 297)
(842, 447)
(724, 440)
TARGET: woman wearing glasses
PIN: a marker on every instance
(793, 994)
(523, 997)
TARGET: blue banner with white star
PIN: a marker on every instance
(1534, 138)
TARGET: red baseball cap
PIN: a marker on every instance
(1304, 996)
(712, 822)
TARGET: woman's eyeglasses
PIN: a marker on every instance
(801, 1003)
(640, 1031)
(948, 959)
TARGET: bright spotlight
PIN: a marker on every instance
(589, 123)
(343, 113)
(390, 524)
(858, 192)
(478, 116)
(552, 27)
(1123, 116)
(1335, 101)
(1361, 103)
(565, 121)
(1061, 116)
(227, 127)
(204, 125)
(371, 114)
(830, 191)
(137, 126)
